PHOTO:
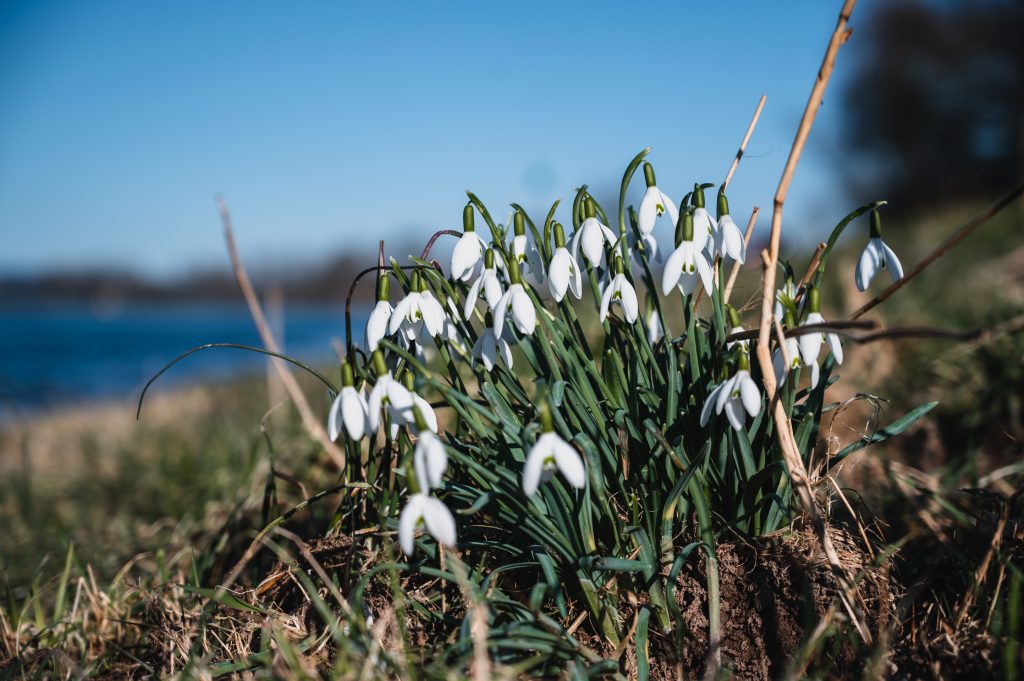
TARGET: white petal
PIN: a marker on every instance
(706, 274)
(484, 348)
(407, 521)
(606, 299)
(433, 313)
(815, 374)
(439, 521)
(592, 241)
(725, 394)
(569, 463)
(472, 297)
(709, 405)
(779, 364)
(523, 312)
(535, 465)
(559, 274)
(401, 313)
(892, 263)
(501, 310)
(353, 412)
(373, 402)
(673, 269)
(492, 288)
(734, 412)
(430, 460)
(810, 346)
(648, 212)
(333, 420)
(465, 255)
(835, 346)
(506, 351)
(428, 412)
(867, 265)
(377, 324)
(630, 306)
(749, 394)
(670, 206)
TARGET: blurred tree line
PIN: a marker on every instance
(935, 108)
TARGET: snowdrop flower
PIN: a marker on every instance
(620, 291)
(524, 251)
(877, 255)
(564, 271)
(729, 239)
(430, 459)
(733, 396)
(518, 300)
(418, 310)
(688, 262)
(810, 343)
(550, 453)
(705, 229)
(796, 358)
(591, 237)
(654, 204)
(468, 249)
(377, 324)
(406, 416)
(349, 409)
(387, 394)
(450, 333)
(488, 283)
(488, 347)
(420, 511)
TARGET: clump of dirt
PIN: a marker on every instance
(773, 593)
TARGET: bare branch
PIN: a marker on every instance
(743, 144)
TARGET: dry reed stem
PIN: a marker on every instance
(736, 265)
(743, 144)
(783, 426)
(954, 239)
(311, 422)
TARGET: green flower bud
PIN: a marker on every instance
(489, 259)
(813, 300)
(380, 367)
(518, 223)
(468, 218)
(876, 224)
(547, 424)
(723, 204)
(649, 174)
(734, 316)
(383, 286)
(348, 379)
(589, 208)
(559, 235)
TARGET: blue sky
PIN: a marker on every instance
(330, 125)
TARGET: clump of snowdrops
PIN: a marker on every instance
(574, 399)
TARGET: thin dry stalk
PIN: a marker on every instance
(783, 427)
(743, 144)
(947, 245)
(736, 266)
(311, 422)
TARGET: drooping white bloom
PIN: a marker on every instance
(469, 248)
(488, 283)
(419, 309)
(349, 411)
(785, 299)
(548, 454)
(796, 360)
(564, 275)
(688, 263)
(877, 255)
(387, 394)
(654, 204)
(730, 240)
(810, 343)
(377, 324)
(591, 237)
(733, 396)
(620, 291)
(488, 347)
(407, 416)
(524, 315)
(430, 460)
(424, 510)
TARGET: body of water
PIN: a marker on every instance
(59, 354)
